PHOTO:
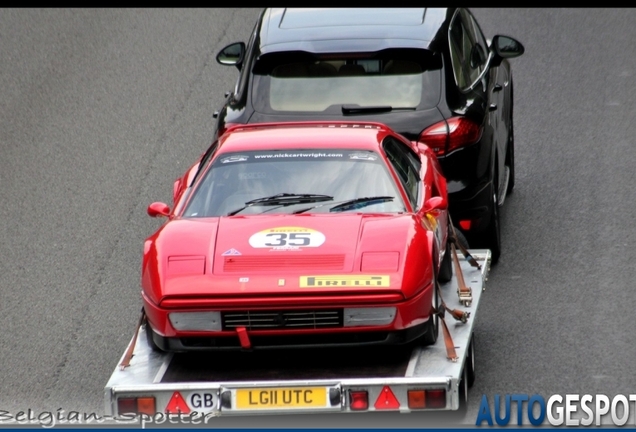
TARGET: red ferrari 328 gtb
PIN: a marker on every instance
(300, 235)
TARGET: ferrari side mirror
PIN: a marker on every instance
(157, 209)
(435, 203)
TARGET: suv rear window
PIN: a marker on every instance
(300, 82)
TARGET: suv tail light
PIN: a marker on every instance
(449, 135)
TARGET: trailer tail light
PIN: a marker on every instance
(358, 400)
(137, 405)
(421, 399)
(417, 399)
(436, 398)
(448, 135)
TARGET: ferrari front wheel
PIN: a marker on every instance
(149, 338)
(446, 267)
(432, 325)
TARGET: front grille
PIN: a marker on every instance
(291, 320)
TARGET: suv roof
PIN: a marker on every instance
(348, 30)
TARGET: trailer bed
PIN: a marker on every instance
(303, 381)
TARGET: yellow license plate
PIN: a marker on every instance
(276, 398)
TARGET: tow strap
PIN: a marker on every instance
(125, 361)
(464, 293)
(473, 262)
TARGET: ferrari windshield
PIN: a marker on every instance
(295, 181)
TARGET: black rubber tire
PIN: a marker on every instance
(151, 343)
(446, 268)
(510, 153)
(432, 325)
(468, 377)
(491, 237)
(461, 238)
(463, 392)
(470, 362)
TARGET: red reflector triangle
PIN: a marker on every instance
(386, 400)
(177, 405)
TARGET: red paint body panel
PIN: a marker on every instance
(409, 313)
(220, 263)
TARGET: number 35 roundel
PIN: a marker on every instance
(287, 237)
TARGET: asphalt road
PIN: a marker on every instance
(100, 110)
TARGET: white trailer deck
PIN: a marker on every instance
(305, 381)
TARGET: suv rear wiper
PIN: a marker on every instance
(283, 199)
(357, 203)
(357, 109)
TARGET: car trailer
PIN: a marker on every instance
(148, 382)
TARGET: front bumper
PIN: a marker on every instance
(411, 317)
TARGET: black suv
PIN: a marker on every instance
(429, 74)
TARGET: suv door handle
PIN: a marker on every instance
(492, 107)
(497, 88)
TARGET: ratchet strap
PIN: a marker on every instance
(464, 292)
(453, 239)
(125, 361)
(458, 315)
(451, 354)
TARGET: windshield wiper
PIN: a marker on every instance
(357, 203)
(357, 109)
(283, 199)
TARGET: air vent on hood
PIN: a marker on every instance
(262, 263)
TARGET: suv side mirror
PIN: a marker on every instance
(232, 55)
(505, 47)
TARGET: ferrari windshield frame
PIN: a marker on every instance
(234, 179)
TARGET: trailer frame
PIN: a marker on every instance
(428, 370)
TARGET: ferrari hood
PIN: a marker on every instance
(283, 254)
(292, 244)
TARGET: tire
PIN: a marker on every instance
(461, 238)
(491, 237)
(510, 153)
(446, 268)
(470, 362)
(151, 342)
(463, 392)
(468, 377)
(432, 325)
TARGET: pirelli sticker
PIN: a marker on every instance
(368, 281)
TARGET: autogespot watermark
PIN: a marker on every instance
(62, 418)
(557, 410)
